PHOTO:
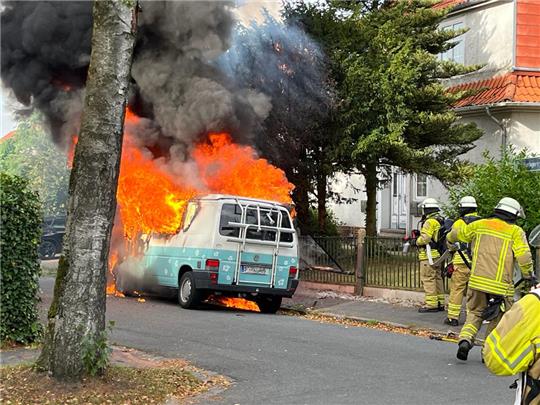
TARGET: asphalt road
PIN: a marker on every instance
(277, 359)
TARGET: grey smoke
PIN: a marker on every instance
(177, 84)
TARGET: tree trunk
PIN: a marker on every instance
(301, 200)
(322, 180)
(77, 315)
(370, 175)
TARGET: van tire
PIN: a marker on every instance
(269, 304)
(188, 296)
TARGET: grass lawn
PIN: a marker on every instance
(169, 380)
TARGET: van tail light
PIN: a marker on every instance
(212, 265)
(293, 271)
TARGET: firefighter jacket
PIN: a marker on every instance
(495, 244)
(428, 233)
(514, 347)
(457, 259)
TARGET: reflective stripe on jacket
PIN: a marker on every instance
(429, 232)
(458, 224)
(514, 345)
(495, 244)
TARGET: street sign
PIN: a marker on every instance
(533, 164)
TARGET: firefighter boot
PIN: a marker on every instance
(451, 322)
(463, 350)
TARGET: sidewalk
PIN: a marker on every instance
(393, 312)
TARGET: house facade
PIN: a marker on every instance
(504, 37)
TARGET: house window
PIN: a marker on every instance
(394, 185)
(421, 185)
(457, 53)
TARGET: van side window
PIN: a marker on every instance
(286, 223)
(230, 213)
(189, 214)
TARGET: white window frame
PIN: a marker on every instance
(417, 183)
(452, 54)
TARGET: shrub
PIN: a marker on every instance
(20, 236)
(495, 179)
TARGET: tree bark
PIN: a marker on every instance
(78, 310)
(370, 175)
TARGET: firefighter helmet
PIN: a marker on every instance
(468, 202)
(511, 206)
(429, 204)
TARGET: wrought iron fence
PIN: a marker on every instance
(387, 264)
(325, 276)
(326, 259)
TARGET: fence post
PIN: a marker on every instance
(359, 270)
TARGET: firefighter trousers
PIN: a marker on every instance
(432, 281)
(458, 290)
(477, 301)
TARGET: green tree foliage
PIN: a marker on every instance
(19, 240)
(495, 179)
(31, 154)
(395, 110)
(282, 62)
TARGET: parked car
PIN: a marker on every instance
(227, 245)
(52, 237)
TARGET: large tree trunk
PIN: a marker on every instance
(370, 175)
(78, 310)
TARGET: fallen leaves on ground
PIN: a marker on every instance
(170, 380)
(361, 323)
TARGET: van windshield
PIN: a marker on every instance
(268, 217)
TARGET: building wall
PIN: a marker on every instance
(349, 186)
(489, 40)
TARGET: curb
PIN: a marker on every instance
(366, 320)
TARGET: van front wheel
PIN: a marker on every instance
(269, 304)
(188, 296)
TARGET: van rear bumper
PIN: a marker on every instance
(202, 281)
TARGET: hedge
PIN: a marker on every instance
(21, 217)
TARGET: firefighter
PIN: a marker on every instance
(514, 347)
(497, 242)
(430, 276)
(461, 262)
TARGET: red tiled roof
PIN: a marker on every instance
(8, 136)
(528, 34)
(513, 87)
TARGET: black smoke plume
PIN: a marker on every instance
(176, 82)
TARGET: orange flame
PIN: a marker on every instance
(232, 302)
(153, 200)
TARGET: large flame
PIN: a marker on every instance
(152, 200)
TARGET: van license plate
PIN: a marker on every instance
(250, 269)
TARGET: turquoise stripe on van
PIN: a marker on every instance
(162, 264)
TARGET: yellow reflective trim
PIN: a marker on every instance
(502, 260)
(513, 363)
(490, 232)
(475, 253)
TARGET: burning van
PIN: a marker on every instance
(227, 245)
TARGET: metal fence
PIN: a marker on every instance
(387, 264)
(328, 259)
(325, 276)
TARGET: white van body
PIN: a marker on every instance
(227, 245)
